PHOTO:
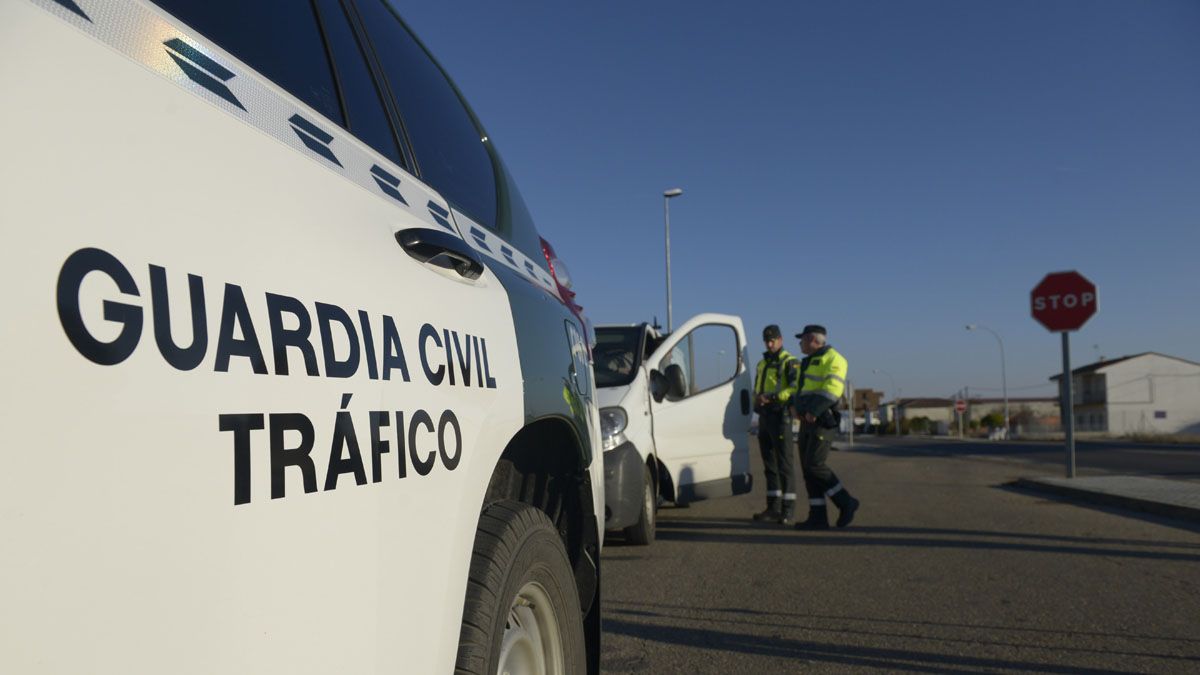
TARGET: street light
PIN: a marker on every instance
(1003, 370)
(674, 192)
(880, 371)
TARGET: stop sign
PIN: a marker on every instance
(960, 405)
(1063, 301)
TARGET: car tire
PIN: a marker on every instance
(522, 607)
(641, 533)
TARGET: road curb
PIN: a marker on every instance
(1122, 495)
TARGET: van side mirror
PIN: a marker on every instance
(658, 386)
(676, 382)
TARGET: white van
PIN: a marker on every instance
(292, 384)
(674, 417)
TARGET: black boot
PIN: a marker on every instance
(771, 513)
(818, 519)
(788, 513)
(846, 504)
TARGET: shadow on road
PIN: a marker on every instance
(1124, 512)
(642, 608)
(883, 536)
(830, 653)
(662, 623)
(722, 524)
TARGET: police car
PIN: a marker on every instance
(674, 417)
(292, 384)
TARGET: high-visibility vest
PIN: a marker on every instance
(778, 374)
(824, 374)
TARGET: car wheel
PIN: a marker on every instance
(642, 532)
(521, 613)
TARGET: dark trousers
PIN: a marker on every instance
(814, 450)
(775, 443)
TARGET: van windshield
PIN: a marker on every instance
(617, 354)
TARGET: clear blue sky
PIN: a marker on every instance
(893, 170)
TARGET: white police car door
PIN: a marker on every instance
(701, 436)
(247, 428)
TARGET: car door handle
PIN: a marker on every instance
(442, 249)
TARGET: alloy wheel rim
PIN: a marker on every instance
(532, 643)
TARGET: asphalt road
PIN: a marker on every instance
(1163, 460)
(945, 570)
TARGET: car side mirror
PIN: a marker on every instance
(658, 386)
(676, 382)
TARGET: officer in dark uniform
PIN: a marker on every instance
(823, 377)
(775, 383)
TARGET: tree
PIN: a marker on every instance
(1024, 416)
(919, 425)
(992, 420)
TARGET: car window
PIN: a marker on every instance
(278, 38)
(708, 357)
(680, 357)
(513, 220)
(451, 154)
(616, 355)
(364, 107)
(715, 353)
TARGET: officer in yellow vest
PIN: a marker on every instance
(823, 375)
(775, 383)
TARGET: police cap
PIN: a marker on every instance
(771, 332)
(812, 328)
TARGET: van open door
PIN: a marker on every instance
(700, 385)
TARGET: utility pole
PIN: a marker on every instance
(960, 417)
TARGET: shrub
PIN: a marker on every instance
(993, 420)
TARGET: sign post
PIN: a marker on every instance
(1068, 403)
(1063, 302)
(960, 407)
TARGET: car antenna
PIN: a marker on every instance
(656, 325)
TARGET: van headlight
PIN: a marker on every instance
(612, 427)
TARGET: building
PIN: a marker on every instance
(866, 399)
(1026, 414)
(935, 409)
(1022, 409)
(866, 407)
(1142, 393)
(1043, 406)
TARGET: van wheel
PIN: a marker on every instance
(641, 533)
(521, 613)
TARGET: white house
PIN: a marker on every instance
(1142, 393)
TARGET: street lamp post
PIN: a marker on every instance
(1003, 370)
(674, 192)
(880, 371)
